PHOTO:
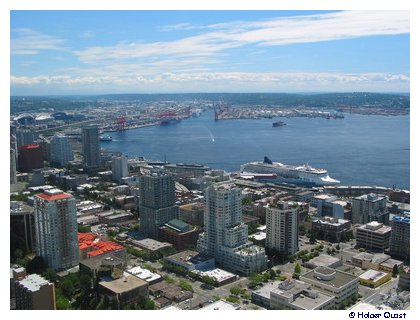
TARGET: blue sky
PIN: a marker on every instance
(90, 52)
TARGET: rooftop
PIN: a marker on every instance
(221, 305)
(324, 260)
(329, 277)
(54, 194)
(401, 219)
(373, 275)
(123, 284)
(33, 282)
(218, 274)
(152, 245)
(143, 274)
(375, 227)
(29, 146)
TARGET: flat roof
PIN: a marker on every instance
(33, 282)
(338, 280)
(123, 284)
(151, 244)
(143, 274)
(324, 260)
(221, 305)
(265, 290)
(218, 274)
(373, 275)
(183, 257)
(54, 194)
(309, 303)
(375, 228)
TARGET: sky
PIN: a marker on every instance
(98, 52)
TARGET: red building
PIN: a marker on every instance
(90, 245)
(179, 233)
(30, 157)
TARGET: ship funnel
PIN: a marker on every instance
(267, 160)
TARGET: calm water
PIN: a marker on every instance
(358, 150)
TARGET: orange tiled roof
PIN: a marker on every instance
(96, 248)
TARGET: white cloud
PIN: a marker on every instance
(273, 32)
(233, 79)
(29, 42)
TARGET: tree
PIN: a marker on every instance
(298, 268)
(62, 303)
(337, 246)
(36, 265)
(395, 271)
(50, 275)
(67, 288)
(312, 238)
(302, 229)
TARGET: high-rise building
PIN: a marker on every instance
(24, 137)
(56, 229)
(225, 236)
(61, 151)
(369, 207)
(400, 237)
(13, 178)
(34, 293)
(22, 227)
(119, 168)
(282, 229)
(91, 147)
(156, 203)
(30, 157)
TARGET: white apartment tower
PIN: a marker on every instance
(282, 229)
(61, 151)
(119, 168)
(56, 229)
(225, 236)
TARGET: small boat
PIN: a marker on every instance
(105, 138)
(279, 124)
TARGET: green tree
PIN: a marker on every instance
(185, 285)
(395, 270)
(36, 265)
(62, 303)
(312, 238)
(67, 288)
(50, 274)
(298, 268)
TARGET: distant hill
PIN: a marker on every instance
(288, 100)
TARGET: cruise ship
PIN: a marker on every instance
(278, 172)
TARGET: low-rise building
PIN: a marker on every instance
(221, 305)
(107, 265)
(323, 260)
(127, 289)
(191, 260)
(374, 278)
(179, 233)
(341, 285)
(151, 245)
(331, 228)
(291, 294)
(221, 277)
(192, 213)
(144, 274)
(375, 261)
(373, 236)
(297, 295)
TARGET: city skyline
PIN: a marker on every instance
(208, 51)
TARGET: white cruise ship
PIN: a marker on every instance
(278, 172)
